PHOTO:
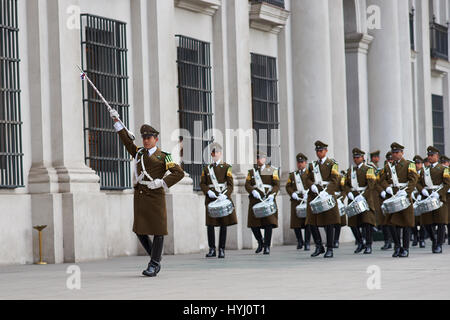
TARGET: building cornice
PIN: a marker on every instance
(267, 17)
(208, 7)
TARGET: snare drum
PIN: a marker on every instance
(264, 209)
(320, 205)
(220, 208)
(300, 210)
(395, 204)
(341, 207)
(357, 207)
(428, 205)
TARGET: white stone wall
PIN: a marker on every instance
(339, 82)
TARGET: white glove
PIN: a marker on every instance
(114, 114)
(359, 198)
(323, 194)
(419, 197)
(295, 196)
(156, 184)
(350, 196)
(425, 193)
(222, 197)
(256, 195)
(211, 194)
(434, 195)
(271, 197)
(314, 189)
(383, 194)
(389, 191)
(402, 193)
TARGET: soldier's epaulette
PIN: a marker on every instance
(139, 150)
(168, 160)
(446, 173)
(229, 170)
(412, 167)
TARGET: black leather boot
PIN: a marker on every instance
(430, 230)
(440, 238)
(319, 250)
(387, 238)
(267, 239)
(359, 248)
(260, 246)
(221, 253)
(307, 246)
(155, 263)
(337, 234)
(387, 246)
(396, 253)
(146, 243)
(415, 233)
(266, 250)
(368, 249)
(329, 253)
(259, 238)
(211, 253)
(307, 238)
(298, 235)
(404, 253)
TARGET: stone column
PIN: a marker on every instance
(240, 139)
(313, 102)
(406, 79)
(385, 82)
(338, 83)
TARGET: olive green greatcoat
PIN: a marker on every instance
(269, 176)
(223, 175)
(406, 172)
(150, 215)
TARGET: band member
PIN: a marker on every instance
(295, 187)
(380, 217)
(418, 234)
(322, 179)
(151, 165)
(399, 180)
(216, 183)
(359, 185)
(445, 161)
(434, 183)
(338, 227)
(262, 184)
(375, 160)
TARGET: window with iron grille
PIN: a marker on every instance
(438, 123)
(439, 40)
(411, 30)
(195, 103)
(104, 59)
(265, 106)
(11, 156)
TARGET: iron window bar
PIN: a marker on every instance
(195, 102)
(439, 40)
(266, 105)
(11, 155)
(104, 59)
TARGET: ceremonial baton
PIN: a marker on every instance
(85, 77)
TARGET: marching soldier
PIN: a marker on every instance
(322, 179)
(262, 184)
(434, 182)
(295, 187)
(360, 184)
(418, 234)
(374, 160)
(217, 184)
(338, 227)
(399, 179)
(380, 217)
(150, 216)
(445, 161)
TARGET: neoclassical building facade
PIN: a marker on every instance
(268, 74)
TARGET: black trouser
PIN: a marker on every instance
(316, 235)
(329, 230)
(396, 233)
(298, 235)
(367, 228)
(146, 243)
(418, 233)
(357, 234)
(440, 239)
(212, 237)
(337, 232)
(157, 249)
(267, 235)
(386, 234)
